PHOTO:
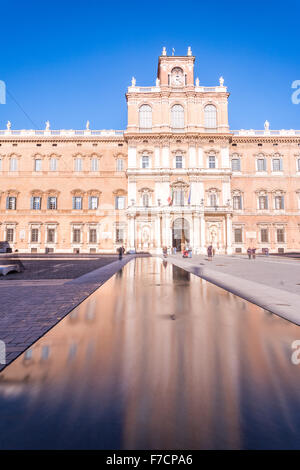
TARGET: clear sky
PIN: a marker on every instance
(69, 61)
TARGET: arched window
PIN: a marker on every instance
(177, 117)
(210, 116)
(145, 117)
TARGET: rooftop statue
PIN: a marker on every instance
(267, 125)
(221, 80)
(8, 125)
(133, 81)
(47, 128)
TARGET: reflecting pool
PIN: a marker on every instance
(156, 358)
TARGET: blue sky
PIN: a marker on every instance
(72, 61)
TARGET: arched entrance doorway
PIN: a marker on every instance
(180, 234)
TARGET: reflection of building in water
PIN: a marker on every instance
(186, 383)
(176, 177)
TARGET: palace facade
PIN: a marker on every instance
(176, 177)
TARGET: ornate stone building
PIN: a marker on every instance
(177, 176)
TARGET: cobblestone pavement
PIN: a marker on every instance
(53, 267)
(30, 308)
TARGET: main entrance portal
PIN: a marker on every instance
(180, 234)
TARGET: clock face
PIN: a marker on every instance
(177, 77)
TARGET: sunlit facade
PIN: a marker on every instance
(176, 177)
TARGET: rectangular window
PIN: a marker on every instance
(145, 162)
(238, 235)
(179, 198)
(212, 161)
(53, 164)
(237, 202)
(11, 203)
(36, 203)
(51, 235)
(119, 235)
(280, 235)
(37, 165)
(279, 202)
(94, 164)
(263, 202)
(76, 235)
(120, 164)
(93, 202)
(52, 203)
(120, 202)
(78, 164)
(93, 235)
(264, 235)
(77, 202)
(10, 235)
(277, 164)
(261, 164)
(34, 235)
(178, 162)
(236, 164)
(13, 164)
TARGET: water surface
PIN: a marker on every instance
(156, 359)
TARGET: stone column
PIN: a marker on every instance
(228, 234)
(196, 244)
(157, 240)
(202, 232)
(131, 232)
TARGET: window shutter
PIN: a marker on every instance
(116, 202)
(73, 203)
(282, 202)
(7, 202)
(90, 202)
(280, 164)
(240, 202)
(48, 203)
(266, 202)
(31, 203)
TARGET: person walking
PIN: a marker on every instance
(165, 251)
(249, 251)
(253, 251)
(120, 251)
(209, 252)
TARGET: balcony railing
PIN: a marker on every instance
(282, 132)
(62, 132)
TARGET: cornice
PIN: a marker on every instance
(265, 139)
